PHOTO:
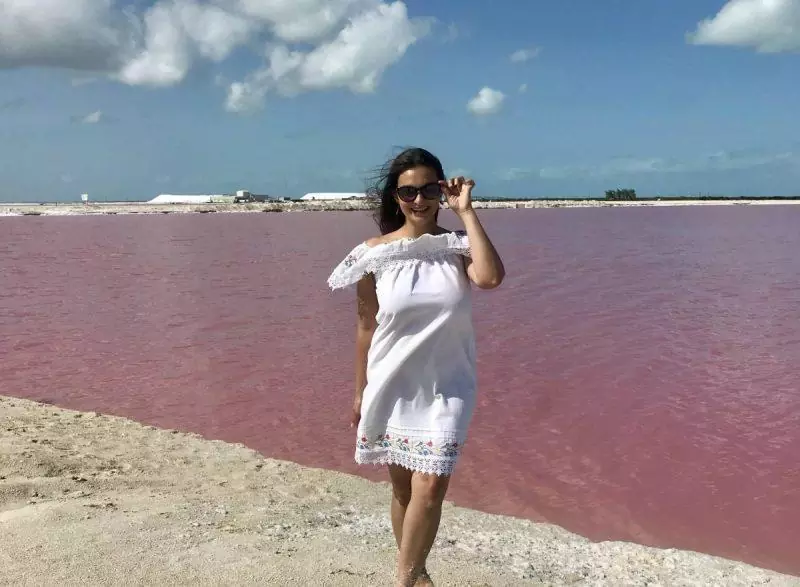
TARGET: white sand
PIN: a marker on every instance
(88, 499)
(72, 209)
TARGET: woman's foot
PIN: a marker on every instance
(424, 579)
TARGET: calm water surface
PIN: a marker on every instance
(638, 370)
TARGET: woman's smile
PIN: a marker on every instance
(420, 210)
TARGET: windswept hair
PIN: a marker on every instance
(388, 215)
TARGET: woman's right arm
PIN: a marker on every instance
(367, 306)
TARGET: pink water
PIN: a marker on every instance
(638, 369)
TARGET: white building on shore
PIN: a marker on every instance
(332, 196)
(239, 196)
(186, 199)
(244, 195)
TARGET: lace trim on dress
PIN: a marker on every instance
(363, 259)
(440, 467)
(423, 454)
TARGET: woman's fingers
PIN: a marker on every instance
(355, 418)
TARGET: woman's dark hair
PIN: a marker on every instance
(388, 215)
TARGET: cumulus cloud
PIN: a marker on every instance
(303, 21)
(769, 26)
(524, 55)
(353, 59)
(80, 34)
(487, 101)
(311, 44)
(93, 118)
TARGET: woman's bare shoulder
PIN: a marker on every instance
(382, 239)
(397, 235)
(375, 241)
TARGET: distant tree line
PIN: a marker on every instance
(617, 195)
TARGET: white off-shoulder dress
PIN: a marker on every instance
(421, 380)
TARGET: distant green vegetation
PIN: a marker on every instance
(618, 195)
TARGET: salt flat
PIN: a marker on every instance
(90, 499)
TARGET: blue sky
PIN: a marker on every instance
(197, 96)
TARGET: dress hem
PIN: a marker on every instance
(439, 466)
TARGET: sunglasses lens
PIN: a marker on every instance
(431, 191)
(407, 193)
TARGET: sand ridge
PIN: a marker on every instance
(91, 499)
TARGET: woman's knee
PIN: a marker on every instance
(430, 489)
(401, 495)
(401, 484)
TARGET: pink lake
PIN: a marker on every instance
(638, 369)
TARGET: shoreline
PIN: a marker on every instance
(88, 498)
(114, 208)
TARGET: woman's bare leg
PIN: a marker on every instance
(420, 524)
(401, 496)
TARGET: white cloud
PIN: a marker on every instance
(247, 97)
(354, 59)
(769, 26)
(302, 21)
(487, 101)
(523, 88)
(92, 118)
(174, 33)
(524, 55)
(164, 58)
(214, 31)
(312, 44)
(80, 34)
(722, 161)
(452, 32)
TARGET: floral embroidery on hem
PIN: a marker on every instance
(426, 455)
(408, 444)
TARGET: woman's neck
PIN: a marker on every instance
(417, 230)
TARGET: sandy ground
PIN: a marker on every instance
(70, 209)
(89, 499)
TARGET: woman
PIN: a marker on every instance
(415, 349)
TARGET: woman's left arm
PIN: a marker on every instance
(484, 268)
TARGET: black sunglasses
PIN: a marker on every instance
(429, 191)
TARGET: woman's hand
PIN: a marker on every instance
(458, 193)
(483, 265)
(355, 416)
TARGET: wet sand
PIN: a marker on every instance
(90, 499)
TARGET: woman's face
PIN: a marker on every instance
(412, 188)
